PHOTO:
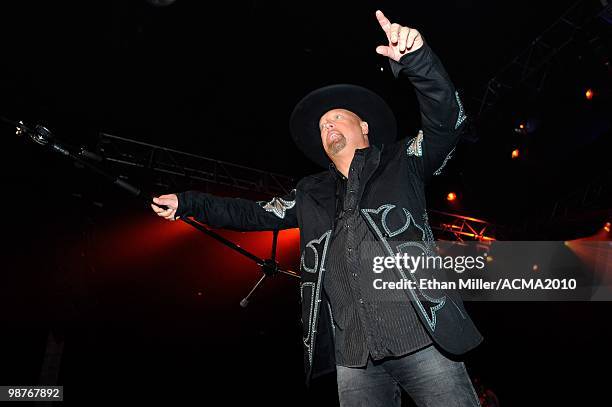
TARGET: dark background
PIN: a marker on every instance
(148, 309)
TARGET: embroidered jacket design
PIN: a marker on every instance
(415, 145)
(278, 206)
(448, 157)
(462, 116)
(427, 305)
(319, 247)
(460, 119)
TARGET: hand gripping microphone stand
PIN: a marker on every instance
(41, 135)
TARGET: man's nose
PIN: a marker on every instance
(328, 125)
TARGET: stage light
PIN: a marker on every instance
(521, 129)
(535, 267)
(607, 227)
(515, 153)
(589, 94)
(451, 196)
(527, 126)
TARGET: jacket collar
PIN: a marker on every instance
(323, 188)
(366, 152)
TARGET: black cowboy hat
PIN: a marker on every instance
(304, 121)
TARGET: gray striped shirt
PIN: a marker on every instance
(367, 321)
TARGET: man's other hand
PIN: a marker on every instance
(170, 201)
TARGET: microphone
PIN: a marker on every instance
(90, 155)
(164, 207)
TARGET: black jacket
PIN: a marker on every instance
(391, 201)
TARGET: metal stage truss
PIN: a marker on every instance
(460, 228)
(169, 165)
(577, 25)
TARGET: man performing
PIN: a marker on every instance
(370, 201)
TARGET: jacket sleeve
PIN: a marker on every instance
(442, 114)
(238, 213)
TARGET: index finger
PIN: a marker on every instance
(383, 21)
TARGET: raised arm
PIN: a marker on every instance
(442, 113)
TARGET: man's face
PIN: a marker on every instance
(342, 131)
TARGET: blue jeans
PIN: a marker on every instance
(430, 378)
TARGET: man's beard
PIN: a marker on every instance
(337, 145)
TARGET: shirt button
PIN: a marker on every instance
(361, 300)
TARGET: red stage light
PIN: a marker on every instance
(589, 94)
(451, 196)
(607, 227)
(515, 153)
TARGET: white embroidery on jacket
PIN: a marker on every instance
(415, 147)
(461, 117)
(312, 294)
(277, 206)
(310, 244)
(314, 305)
(448, 157)
(432, 246)
(431, 321)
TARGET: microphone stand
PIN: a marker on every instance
(41, 135)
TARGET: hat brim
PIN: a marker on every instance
(304, 121)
